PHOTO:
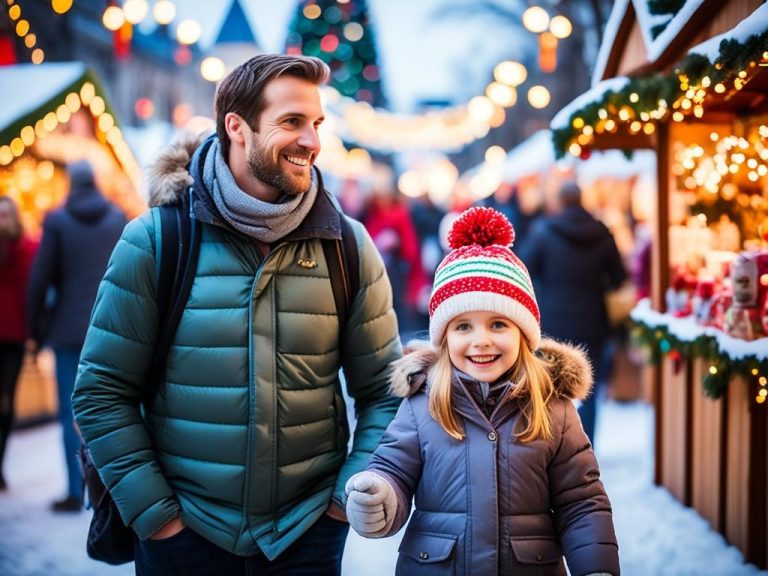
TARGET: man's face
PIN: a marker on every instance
(282, 150)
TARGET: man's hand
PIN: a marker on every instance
(170, 529)
(336, 512)
(371, 504)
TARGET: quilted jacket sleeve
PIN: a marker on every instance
(113, 367)
(582, 512)
(398, 459)
(369, 344)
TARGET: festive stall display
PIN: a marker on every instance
(692, 88)
(56, 114)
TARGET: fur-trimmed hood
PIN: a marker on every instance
(167, 177)
(567, 364)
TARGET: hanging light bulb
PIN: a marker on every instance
(536, 19)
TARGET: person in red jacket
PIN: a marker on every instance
(16, 254)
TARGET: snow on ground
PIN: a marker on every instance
(657, 535)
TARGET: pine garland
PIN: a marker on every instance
(642, 94)
(661, 342)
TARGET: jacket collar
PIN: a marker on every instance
(178, 171)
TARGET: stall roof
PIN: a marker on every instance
(594, 94)
(756, 23)
(35, 88)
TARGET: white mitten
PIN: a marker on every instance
(371, 504)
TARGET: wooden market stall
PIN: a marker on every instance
(693, 87)
(51, 115)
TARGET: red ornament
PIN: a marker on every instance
(482, 226)
(585, 153)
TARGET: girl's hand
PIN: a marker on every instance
(371, 504)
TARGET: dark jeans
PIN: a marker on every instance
(588, 408)
(11, 357)
(317, 553)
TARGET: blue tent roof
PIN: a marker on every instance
(236, 27)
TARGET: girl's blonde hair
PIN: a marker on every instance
(532, 388)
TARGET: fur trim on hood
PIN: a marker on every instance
(567, 364)
(167, 177)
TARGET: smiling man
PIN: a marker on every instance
(239, 465)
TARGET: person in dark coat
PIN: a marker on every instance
(16, 253)
(574, 262)
(77, 242)
(487, 441)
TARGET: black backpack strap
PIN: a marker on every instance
(180, 248)
(344, 269)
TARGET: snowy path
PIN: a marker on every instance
(656, 534)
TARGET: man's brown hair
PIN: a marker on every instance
(242, 91)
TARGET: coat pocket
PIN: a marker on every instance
(536, 556)
(422, 553)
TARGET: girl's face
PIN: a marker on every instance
(483, 345)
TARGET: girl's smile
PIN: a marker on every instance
(483, 345)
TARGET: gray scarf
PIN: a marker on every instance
(264, 221)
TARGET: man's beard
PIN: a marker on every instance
(265, 169)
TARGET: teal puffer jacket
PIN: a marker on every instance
(247, 436)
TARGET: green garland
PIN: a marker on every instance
(642, 93)
(661, 342)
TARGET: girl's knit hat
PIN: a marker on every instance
(481, 273)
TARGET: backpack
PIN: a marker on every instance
(109, 539)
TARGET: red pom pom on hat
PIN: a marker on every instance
(481, 226)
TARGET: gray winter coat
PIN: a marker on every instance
(488, 504)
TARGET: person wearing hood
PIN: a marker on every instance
(487, 441)
(573, 259)
(76, 243)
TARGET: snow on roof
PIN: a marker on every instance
(674, 27)
(645, 21)
(755, 23)
(609, 37)
(33, 86)
(533, 155)
(561, 119)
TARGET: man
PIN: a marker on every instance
(573, 261)
(77, 241)
(240, 464)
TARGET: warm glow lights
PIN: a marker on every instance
(212, 69)
(38, 56)
(353, 31)
(480, 108)
(188, 32)
(97, 105)
(501, 94)
(135, 10)
(539, 97)
(61, 6)
(560, 27)
(312, 11)
(164, 12)
(495, 155)
(113, 18)
(510, 72)
(536, 19)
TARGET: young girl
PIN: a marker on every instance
(487, 440)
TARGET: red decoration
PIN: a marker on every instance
(677, 360)
(122, 40)
(7, 51)
(482, 226)
(329, 43)
(585, 153)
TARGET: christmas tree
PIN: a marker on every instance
(339, 33)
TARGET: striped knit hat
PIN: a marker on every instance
(481, 273)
